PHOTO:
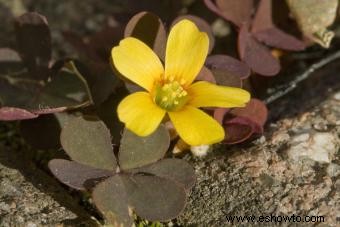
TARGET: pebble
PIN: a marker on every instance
(200, 151)
(319, 147)
(337, 96)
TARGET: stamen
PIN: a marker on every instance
(170, 96)
(165, 87)
(183, 93)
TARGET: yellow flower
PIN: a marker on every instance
(171, 90)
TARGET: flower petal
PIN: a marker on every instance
(204, 94)
(137, 62)
(196, 127)
(186, 51)
(140, 114)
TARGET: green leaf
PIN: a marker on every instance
(111, 199)
(88, 142)
(138, 151)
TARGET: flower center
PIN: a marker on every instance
(170, 96)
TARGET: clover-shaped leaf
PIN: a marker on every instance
(163, 184)
(237, 12)
(109, 115)
(238, 129)
(164, 197)
(76, 175)
(94, 51)
(256, 55)
(206, 75)
(264, 30)
(175, 169)
(138, 151)
(88, 141)
(11, 113)
(227, 71)
(29, 84)
(255, 29)
(155, 37)
(255, 110)
(241, 123)
(34, 43)
(111, 199)
(64, 90)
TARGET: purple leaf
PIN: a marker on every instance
(206, 75)
(13, 114)
(276, 38)
(238, 130)
(263, 17)
(219, 114)
(75, 175)
(229, 64)
(111, 199)
(167, 198)
(136, 151)
(255, 110)
(237, 12)
(174, 169)
(88, 141)
(265, 31)
(34, 43)
(148, 28)
(256, 55)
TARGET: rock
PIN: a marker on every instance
(333, 170)
(295, 171)
(200, 151)
(320, 147)
(337, 96)
(30, 197)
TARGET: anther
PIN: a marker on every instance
(182, 82)
(170, 95)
